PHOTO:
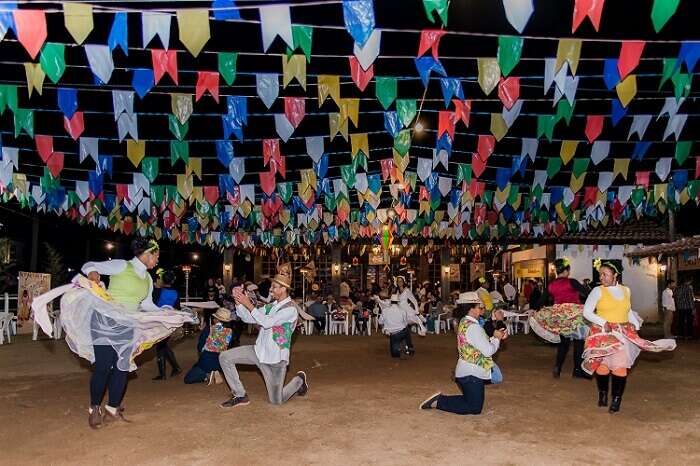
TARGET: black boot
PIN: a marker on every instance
(603, 382)
(170, 356)
(578, 360)
(562, 349)
(618, 388)
(161, 368)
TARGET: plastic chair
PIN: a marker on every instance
(441, 323)
(338, 325)
(5, 327)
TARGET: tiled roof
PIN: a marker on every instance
(645, 231)
(675, 247)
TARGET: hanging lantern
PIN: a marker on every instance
(403, 260)
(355, 260)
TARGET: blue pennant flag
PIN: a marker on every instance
(611, 75)
(226, 184)
(237, 107)
(507, 212)
(324, 186)
(557, 194)
(232, 125)
(392, 124)
(680, 179)
(224, 152)
(451, 87)
(405, 199)
(321, 167)
(119, 35)
(109, 202)
(104, 165)
(431, 182)
(425, 65)
(7, 20)
(56, 196)
(374, 182)
(502, 177)
(444, 143)
(455, 196)
(224, 217)
(640, 150)
(143, 81)
(225, 9)
(359, 19)
(690, 53)
(618, 111)
(95, 182)
(68, 101)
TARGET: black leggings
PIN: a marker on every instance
(106, 373)
(563, 349)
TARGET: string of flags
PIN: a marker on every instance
(403, 195)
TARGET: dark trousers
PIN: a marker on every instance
(471, 401)
(563, 349)
(320, 323)
(685, 323)
(397, 340)
(236, 332)
(163, 351)
(106, 374)
(208, 362)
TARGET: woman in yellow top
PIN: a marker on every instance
(613, 344)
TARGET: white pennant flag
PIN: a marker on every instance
(237, 169)
(283, 127)
(675, 125)
(671, 106)
(605, 180)
(122, 101)
(529, 148)
(127, 124)
(141, 182)
(549, 65)
(441, 156)
(100, 61)
(268, 87)
(368, 54)
(545, 200)
(135, 193)
(10, 156)
(509, 116)
(624, 193)
(424, 168)
(314, 147)
(275, 20)
(518, 13)
(89, 146)
(361, 183)
(600, 151)
(569, 90)
(663, 168)
(445, 185)
(38, 194)
(640, 123)
(82, 189)
(247, 192)
(155, 24)
(540, 178)
(568, 197)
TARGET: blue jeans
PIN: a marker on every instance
(471, 401)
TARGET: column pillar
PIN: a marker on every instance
(227, 272)
(35, 244)
(336, 255)
(257, 267)
(672, 263)
(445, 272)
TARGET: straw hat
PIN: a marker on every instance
(223, 314)
(470, 297)
(315, 287)
(284, 275)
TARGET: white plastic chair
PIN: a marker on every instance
(339, 325)
(441, 323)
(5, 327)
(57, 328)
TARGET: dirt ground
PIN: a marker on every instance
(361, 409)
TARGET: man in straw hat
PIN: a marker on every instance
(277, 321)
(394, 320)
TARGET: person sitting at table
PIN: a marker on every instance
(316, 308)
(214, 339)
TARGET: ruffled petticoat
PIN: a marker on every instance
(560, 320)
(89, 318)
(619, 347)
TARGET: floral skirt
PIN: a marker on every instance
(619, 347)
(560, 320)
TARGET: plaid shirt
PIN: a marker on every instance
(684, 297)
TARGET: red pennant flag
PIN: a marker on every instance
(267, 182)
(74, 126)
(424, 194)
(234, 198)
(630, 53)
(122, 191)
(127, 226)
(207, 81)
(280, 166)
(211, 194)
(479, 212)
(463, 110)
(478, 165)
(44, 146)
(485, 146)
(295, 109)
(558, 229)
(642, 179)
(492, 217)
(359, 76)
(594, 126)
(576, 202)
(697, 166)
(591, 193)
(447, 121)
(430, 39)
(271, 149)
(509, 91)
(164, 61)
(387, 165)
(55, 163)
(310, 202)
(591, 8)
(617, 210)
(30, 26)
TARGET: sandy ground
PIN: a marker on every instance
(361, 409)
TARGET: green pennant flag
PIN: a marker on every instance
(386, 90)
(564, 110)
(487, 198)
(285, 191)
(157, 194)
(514, 193)
(178, 129)
(464, 172)
(179, 150)
(662, 11)
(406, 110)
(509, 51)
(301, 38)
(402, 142)
(693, 188)
(669, 70)
(47, 181)
(545, 126)
(580, 166)
(410, 178)
(149, 168)
(437, 6)
(348, 174)
(683, 151)
(682, 83)
(553, 166)
(227, 66)
(73, 199)
(24, 120)
(8, 97)
(329, 201)
(435, 202)
(171, 193)
(53, 60)
(360, 160)
(637, 196)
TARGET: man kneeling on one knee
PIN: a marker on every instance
(395, 320)
(270, 354)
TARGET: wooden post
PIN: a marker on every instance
(35, 244)
(445, 272)
(672, 261)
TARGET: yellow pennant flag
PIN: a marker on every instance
(135, 151)
(182, 107)
(684, 197)
(185, 185)
(660, 191)
(337, 125)
(158, 233)
(424, 207)
(359, 143)
(401, 162)
(294, 68)
(498, 126)
(576, 182)
(517, 202)
(627, 89)
(569, 50)
(560, 211)
(194, 28)
(35, 77)
(502, 196)
(568, 149)
(621, 167)
(198, 195)
(350, 108)
(78, 20)
(309, 176)
(371, 215)
(489, 74)
(328, 85)
(19, 181)
(194, 165)
(285, 216)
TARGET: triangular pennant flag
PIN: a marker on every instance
(53, 61)
(119, 34)
(135, 151)
(627, 89)
(100, 60)
(439, 7)
(569, 51)
(35, 77)
(227, 62)
(509, 51)
(275, 20)
(74, 126)
(430, 39)
(294, 67)
(194, 29)
(509, 116)
(640, 123)
(386, 90)
(518, 13)
(207, 81)
(567, 151)
(360, 77)
(155, 23)
(268, 87)
(368, 54)
(489, 74)
(675, 126)
(328, 85)
(621, 167)
(594, 126)
(593, 9)
(30, 28)
(662, 11)
(630, 54)
(78, 20)
(600, 151)
(359, 19)
(164, 61)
